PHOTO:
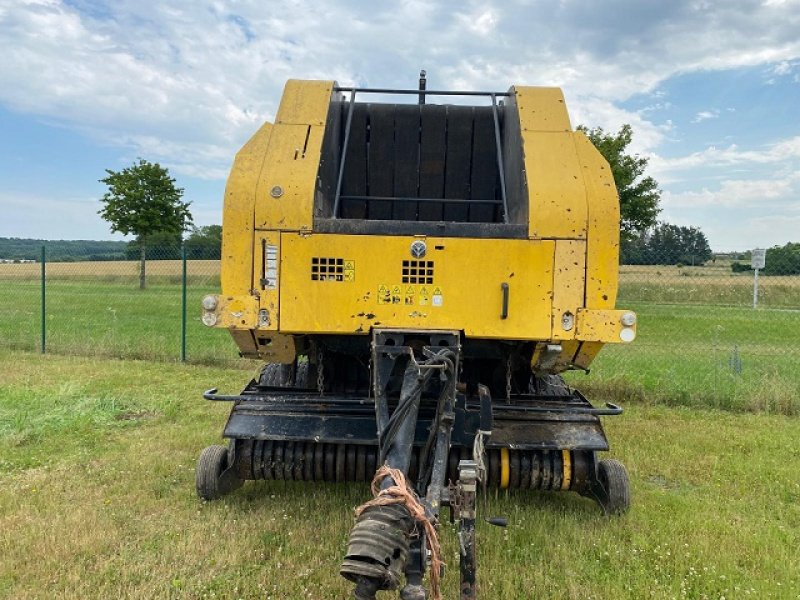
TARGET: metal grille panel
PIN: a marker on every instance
(418, 271)
(327, 269)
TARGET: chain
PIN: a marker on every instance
(320, 373)
(508, 379)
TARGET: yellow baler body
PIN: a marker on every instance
(280, 278)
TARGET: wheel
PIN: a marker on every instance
(613, 486)
(279, 375)
(209, 482)
(549, 385)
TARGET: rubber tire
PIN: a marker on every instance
(212, 462)
(615, 485)
(550, 385)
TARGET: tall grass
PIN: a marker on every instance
(97, 501)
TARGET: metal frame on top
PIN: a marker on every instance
(422, 93)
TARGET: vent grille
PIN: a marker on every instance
(417, 271)
(327, 269)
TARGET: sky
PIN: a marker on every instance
(711, 90)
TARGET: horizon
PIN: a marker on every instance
(711, 93)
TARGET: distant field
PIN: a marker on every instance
(97, 500)
(112, 271)
(700, 342)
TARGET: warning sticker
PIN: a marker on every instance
(424, 296)
(408, 298)
(396, 295)
(349, 270)
(384, 297)
(438, 298)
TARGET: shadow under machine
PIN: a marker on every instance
(416, 275)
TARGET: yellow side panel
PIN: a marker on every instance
(557, 196)
(366, 288)
(304, 102)
(237, 216)
(568, 286)
(266, 275)
(285, 197)
(602, 263)
(542, 109)
(602, 326)
(587, 353)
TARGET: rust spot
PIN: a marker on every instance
(605, 296)
(369, 316)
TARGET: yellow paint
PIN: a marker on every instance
(304, 102)
(286, 187)
(237, 312)
(587, 353)
(505, 468)
(268, 297)
(556, 194)
(568, 286)
(569, 264)
(237, 215)
(602, 257)
(600, 325)
(566, 477)
(276, 348)
(465, 293)
(542, 109)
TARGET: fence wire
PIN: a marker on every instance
(700, 338)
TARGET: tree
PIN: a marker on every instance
(638, 195)
(783, 260)
(142, 200)
(205, 242)
(668, 244)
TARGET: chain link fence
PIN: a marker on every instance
(70, 305)
(701, 339)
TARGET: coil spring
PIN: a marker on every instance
(313, 461)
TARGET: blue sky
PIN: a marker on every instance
(710, 88)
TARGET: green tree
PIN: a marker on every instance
(638, 195)
(783, 260)
(668, 244)
(142, 200)
(205, 242)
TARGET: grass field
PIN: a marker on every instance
(97, 501)
(700, 342)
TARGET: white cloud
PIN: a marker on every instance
(783, 151)
(733, 193)
(200, 77)
(705, 115)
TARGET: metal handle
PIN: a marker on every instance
(504, 311)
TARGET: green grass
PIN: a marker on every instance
(97, 501)
(102, 318)
(686, 354)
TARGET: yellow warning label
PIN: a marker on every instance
(396, 295)
(384, 297)
(438, 297)
(409, 296)
(349, 270)
(423, 296)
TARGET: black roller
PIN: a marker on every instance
(361, 464)
(525, 470)
(350, 463)
(319, 462)
(313, 461)
(513, 468)
(308, 465)
(330, 463)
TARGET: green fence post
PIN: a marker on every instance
(183, 304)
(44, 311)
